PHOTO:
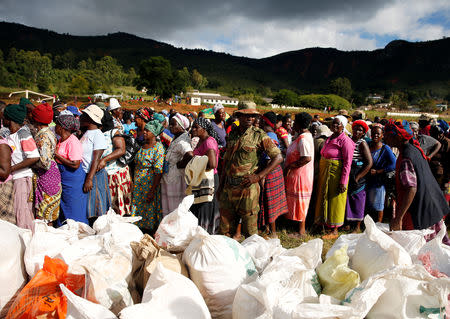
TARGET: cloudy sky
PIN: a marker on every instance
(253, 28)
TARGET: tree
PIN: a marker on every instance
(155, 74)
(286, 97)
(341, 87)
(427, 105)
(399, 100)
(181, 80)
(198, 81)
(79, 85)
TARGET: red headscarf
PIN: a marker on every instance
(403, 129)
(361, 123)
(43, 113)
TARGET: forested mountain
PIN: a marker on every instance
(399, 65)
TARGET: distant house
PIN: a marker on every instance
(374, 97)
(198, 98)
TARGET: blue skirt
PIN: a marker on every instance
(99, 198)
(73, 199)
(375, 197)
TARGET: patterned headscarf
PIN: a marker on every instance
(182, 121)
(68, 122)
(144, 114)
(155, 127)
(402, 129)
(206, 125)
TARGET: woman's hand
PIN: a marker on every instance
(373, 171)
(101, 165)
(396, 224)
(342, 188)
(250, 179)
(88, 185)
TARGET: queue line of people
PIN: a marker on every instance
(244, 172)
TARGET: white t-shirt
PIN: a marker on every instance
(23, 146)
(91, 141)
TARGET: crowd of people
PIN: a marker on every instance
(247, 172)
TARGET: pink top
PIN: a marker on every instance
(202, 149)
(70, 149)
(3, 141)
(340, 148)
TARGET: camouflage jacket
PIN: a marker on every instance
(243, 150)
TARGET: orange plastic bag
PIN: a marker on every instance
(42, 297)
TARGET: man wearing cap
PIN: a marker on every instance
(116, 112)
(240, 176)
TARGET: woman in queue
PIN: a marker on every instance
(47, 178)
(69, 153)
(334, 170)
(119, 178)
(147, 177)
(25, 154)
(299, 169)
(420, 202)
(361, 164)
(383, 163)
(208, 145)
(173, 185)
(94, 144)
(6, 183)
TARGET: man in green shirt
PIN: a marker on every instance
(239, 191)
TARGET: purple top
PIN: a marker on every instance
(340, 148)
(221, 133)
(202, 149)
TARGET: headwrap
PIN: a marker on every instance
(182, 120)
(164, 112)
(144, 114)
(101, 105)
(270, 118)
(74, 110)
(342, 119)
(206, 125)
(323, 130)
(16, 113)
(159, 117)
(217, 107)
(414, 125)
(403, 130)
(43, 113)
(64, 112)
(361, 123)
(68, 122)
(155, 127)
(24, 101)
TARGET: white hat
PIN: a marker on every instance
(95, 113)
(217, 107)
(113, 104)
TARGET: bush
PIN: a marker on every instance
(320, 101)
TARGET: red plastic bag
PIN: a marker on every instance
(42, 297)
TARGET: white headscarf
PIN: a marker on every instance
(344, 122)
(217, 107)
(182, 121)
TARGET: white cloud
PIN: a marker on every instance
(399, 19)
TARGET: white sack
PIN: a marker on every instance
(376, 251)
(348, 239)
(285, 281)
(12, 275)
(437, 253)
(178, 228)
(409, 292)
(261, 250)
(218, 265)
(169, 295)
(80, 308)
(49, 241)
(310, 253)
(103, 223)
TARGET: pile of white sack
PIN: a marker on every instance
(186, 273)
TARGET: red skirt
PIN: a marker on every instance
(273, 197)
